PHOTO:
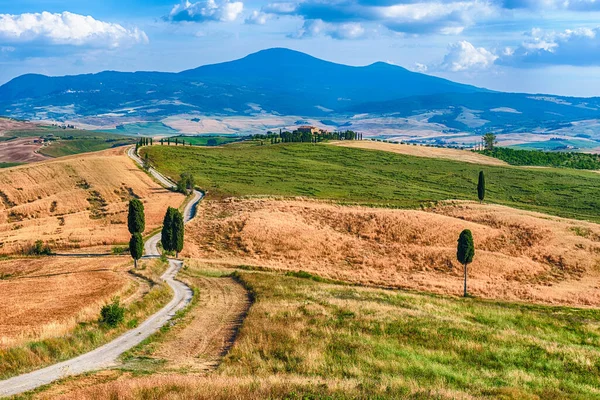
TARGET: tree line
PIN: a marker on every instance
(545, 158)
(306, 137)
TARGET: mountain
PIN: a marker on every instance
(275, 80)
(287, 82)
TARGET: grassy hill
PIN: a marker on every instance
(376, 177)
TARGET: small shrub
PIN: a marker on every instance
(120, 250)
(112, 314)
(39, 249)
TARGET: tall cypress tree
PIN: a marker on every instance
(465, 252)
(135, 218)
(481, 187)
(178, 231)
(166, 235)
(136, 247)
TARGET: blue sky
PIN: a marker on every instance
(543, 46)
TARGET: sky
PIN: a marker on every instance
(534, 46)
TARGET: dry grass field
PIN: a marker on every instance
(304, 339)
(423, 151)
(520, 255)
(47, 297)
(76, 201)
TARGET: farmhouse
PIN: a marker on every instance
(311, 129)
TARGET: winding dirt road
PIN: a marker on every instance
(107, 355)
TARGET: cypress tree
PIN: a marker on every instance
(136, 247)
(166, 235)
(178, 231)
(135, 218)
(465, 252)
(481, 187)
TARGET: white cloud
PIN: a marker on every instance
(258, 18)
(579, 47)
(337, 31)
(419, 17)
(206, 10)
(66, 29)
(463, 56)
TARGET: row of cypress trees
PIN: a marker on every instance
(172, 233)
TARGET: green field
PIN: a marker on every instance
(376, 177)
(9, 164)
(207, 140)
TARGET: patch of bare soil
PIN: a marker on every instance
(520, 255)
(423, 151)
(21, 150)
(7, 124)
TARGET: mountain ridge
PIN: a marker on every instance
(281, 81)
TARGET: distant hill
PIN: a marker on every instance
(274, 80)
(286, 82)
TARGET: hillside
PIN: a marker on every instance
(371, 177)
(76, 201)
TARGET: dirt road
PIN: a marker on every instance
(107, 355)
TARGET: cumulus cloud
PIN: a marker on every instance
(420, 17)
(578, 47)
(463, 56)
(318, 27)
(206, 10)
(66, 29)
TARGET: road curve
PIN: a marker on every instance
(107, 355)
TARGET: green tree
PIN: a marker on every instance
(136, 221)
(178, 232)
(136, 247)
(489, 140)
(186, 183)
(166, 235)
(481, 187)
(465, 252)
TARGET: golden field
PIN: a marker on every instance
(47, 297)
(423, 151)
(76, 201)
(520, 255)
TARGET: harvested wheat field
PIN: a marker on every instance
(520, 255)
(423, 151)
(76, 201)
(47, 297)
